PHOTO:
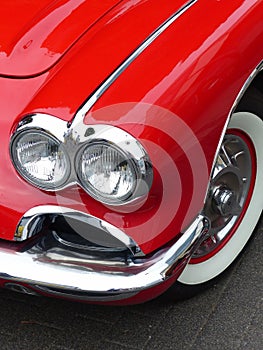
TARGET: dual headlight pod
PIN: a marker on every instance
(110, 164)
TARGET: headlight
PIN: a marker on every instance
(40, 159)
(107, 173)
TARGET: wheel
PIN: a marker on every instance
(234, 203)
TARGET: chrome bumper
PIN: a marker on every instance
(47, 266)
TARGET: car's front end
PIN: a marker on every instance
(108, 144)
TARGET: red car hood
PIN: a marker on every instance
(35, 34)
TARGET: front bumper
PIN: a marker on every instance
(46, 265)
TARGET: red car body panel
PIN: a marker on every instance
(45, 31)
(186, 81)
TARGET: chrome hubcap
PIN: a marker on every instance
(229, 186)
(225, 202)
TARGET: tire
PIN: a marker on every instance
(234, 202)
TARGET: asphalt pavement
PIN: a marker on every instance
(227, 316)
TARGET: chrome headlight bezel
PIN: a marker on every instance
(74, 140)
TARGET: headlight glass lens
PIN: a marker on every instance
(40, 159)
(107, 173)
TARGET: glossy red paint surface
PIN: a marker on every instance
(175, 98)
(43, 31)
(46, 30)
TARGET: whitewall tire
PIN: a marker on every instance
(230, 237)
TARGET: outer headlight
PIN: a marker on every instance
(110, 174)
(40, 159)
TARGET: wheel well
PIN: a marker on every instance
(253, 93)
(257, 83)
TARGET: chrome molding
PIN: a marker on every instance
(110, 80)
(46, 266)
(89, 227)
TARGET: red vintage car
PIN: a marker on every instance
(131, 144)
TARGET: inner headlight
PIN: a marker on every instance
(40, 159)
(107, 173)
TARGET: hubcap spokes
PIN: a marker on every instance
(229, 187)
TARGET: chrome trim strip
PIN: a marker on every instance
(68, 274)
(31, 222)
(110, 80)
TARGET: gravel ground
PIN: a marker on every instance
(227, 316)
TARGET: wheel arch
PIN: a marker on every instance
(252, 89)
(249, 100)
(253, 86)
